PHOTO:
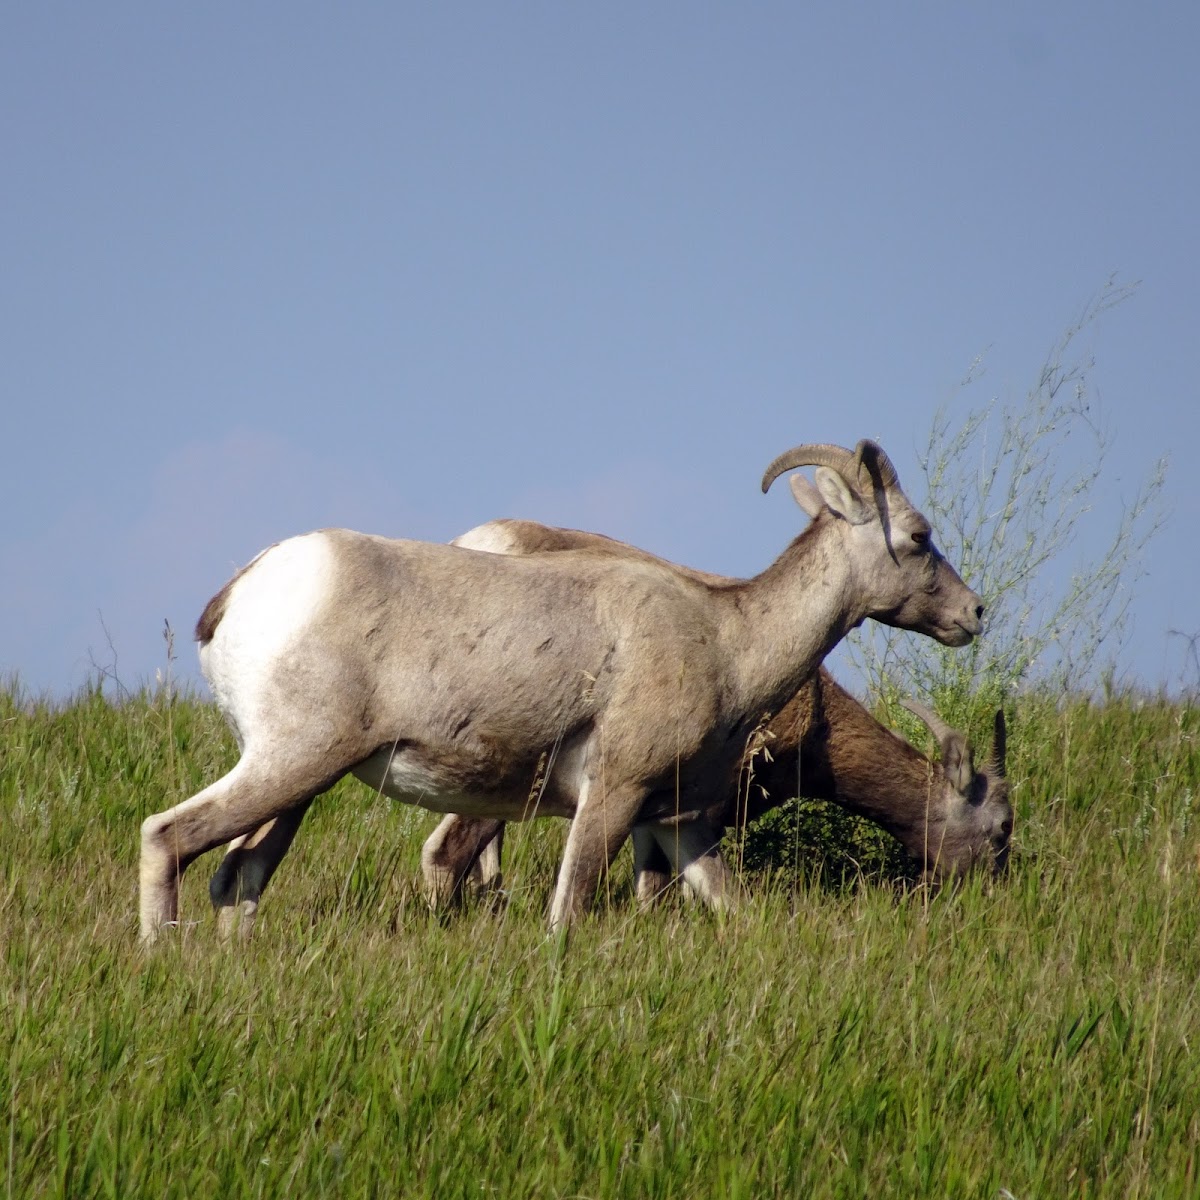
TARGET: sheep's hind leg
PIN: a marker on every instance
(451, 855)
(694, 852)
(487, 873)
(238, 883)
(651, 867)
(254, 792)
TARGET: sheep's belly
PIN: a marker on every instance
(397, 775)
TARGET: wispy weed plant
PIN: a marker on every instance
(1012, 489)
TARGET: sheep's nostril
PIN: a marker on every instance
(979, 612)
(1007, 827)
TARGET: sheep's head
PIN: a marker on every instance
(904, 579)
(971, 817)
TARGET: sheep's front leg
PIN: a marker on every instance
(603, 820)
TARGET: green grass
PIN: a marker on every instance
(835, 1037)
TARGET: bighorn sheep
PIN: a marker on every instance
(453, 679)
(823, 744)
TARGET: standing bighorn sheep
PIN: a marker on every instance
(822, 744)
(453, 679)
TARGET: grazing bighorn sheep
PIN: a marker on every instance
(823, 744)
(453, 679)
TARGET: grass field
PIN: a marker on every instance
(1039, 1037)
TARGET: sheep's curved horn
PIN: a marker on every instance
(1000, 744)
(813, 454)
(927, 716)
(957, 760)
(871, 455)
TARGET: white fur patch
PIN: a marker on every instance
(395, 774)
(269, 606)
(491, 537)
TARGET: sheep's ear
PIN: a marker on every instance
(841, 498)
(805, 494)
(956, 762)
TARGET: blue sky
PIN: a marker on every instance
(410, 267)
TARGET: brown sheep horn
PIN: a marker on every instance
(871, 455)
(956, 750)
(928, 717)
(1000, 744)
(813, 454)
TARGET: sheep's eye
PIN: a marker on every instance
(921, 537)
